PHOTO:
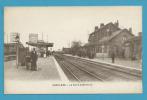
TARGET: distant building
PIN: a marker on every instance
(10, 48)
(109, 38)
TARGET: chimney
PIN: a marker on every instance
(130, 30)
(101, 25)
(96, 28)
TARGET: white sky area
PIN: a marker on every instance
(62, 25)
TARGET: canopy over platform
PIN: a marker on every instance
(40, 44)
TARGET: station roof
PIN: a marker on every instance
(43, 44)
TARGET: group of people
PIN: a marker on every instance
(46, 53)
(31, 59)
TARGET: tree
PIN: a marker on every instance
(75, 47)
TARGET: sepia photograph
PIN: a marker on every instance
(73, 50)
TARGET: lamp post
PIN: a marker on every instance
(17, 49)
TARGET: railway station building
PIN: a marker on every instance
(110, 38)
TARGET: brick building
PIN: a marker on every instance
(109, 38)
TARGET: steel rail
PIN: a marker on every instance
(104, 69)
(69, 70)
(91, 74)
(65, 66)
(96, 63)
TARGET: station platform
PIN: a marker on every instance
(137, 64)
(118, 62)
(20, 80)
(48, 69)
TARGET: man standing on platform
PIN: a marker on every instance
(113, 57)
(113, 51)
(34, 58)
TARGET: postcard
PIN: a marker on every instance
(73, 50)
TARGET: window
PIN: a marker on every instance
(124, 38)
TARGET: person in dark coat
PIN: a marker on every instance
(113, 57)
(34, 58)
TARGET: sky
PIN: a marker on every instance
(62, 25)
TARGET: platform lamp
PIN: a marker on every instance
(17, 38)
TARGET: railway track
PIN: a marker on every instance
(82, 70)
(75, 72)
